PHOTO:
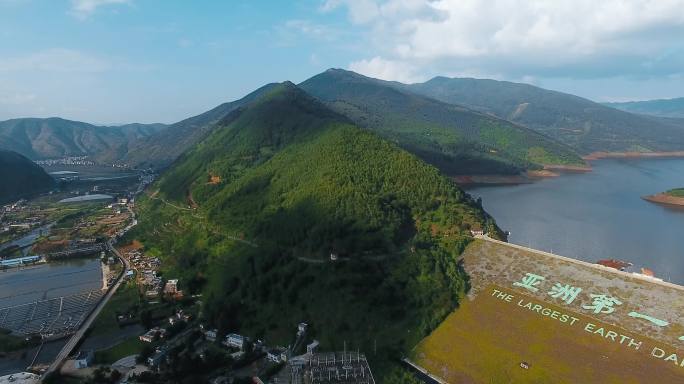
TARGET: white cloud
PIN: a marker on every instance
(82, 9)
(520, 38)
(55, 60)
(380, 68)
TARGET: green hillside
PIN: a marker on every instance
(163, 148)
(662, 107)
(20, 177)
(54, 138)
(282, 183)
(580, 123)
(455, 139)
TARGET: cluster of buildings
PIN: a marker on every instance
(147, 268)
(7, 224)
(69, 160)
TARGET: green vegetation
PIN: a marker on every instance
(574, 121)
(21, 177)
(297, 183)
(128, 347)
(677, 192)
(9, 343)
(125, 301)
(454, 139)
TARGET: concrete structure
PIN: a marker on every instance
(277, 355)
(20, 378)
(19, 261)
(312, 348)
(83, 359)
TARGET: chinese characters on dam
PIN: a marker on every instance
(590, 303)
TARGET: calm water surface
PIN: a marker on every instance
(598, 215)
(45, 281)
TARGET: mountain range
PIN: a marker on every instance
(21, 177)
(455, 139)
(580, 123)
(461, 126)
(673, 108)
(54, 137)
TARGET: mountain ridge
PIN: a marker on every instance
(163, 148)
(670, 108)
(21, 177)
(55, 137)
(580, 123)
(456, 139)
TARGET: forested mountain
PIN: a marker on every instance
(21, 177)
(164, 147)
(252, 213)
(580, 123)
(660, 108)
(55, 137)
(455, 139)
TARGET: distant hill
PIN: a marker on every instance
(55, 137)
(165, 146)
(661, 108)
(21, 177)
(251, 214)
(580, 123)
(455, 139)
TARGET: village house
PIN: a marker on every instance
(236, 341)
(153, 334)
(210, 334)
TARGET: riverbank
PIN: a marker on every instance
(631, 155)
(529, 176)
(664, 198)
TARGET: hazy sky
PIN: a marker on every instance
(117, 61)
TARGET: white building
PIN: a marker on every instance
(83, 359)
(210, 334)
(235, 340)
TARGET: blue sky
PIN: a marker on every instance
(118, 61)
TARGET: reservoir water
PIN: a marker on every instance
(598, 215)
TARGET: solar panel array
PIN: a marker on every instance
(49, 317)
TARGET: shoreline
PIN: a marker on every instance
(551, 170)
(665, 199)
(527, 177)
(632, 155)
